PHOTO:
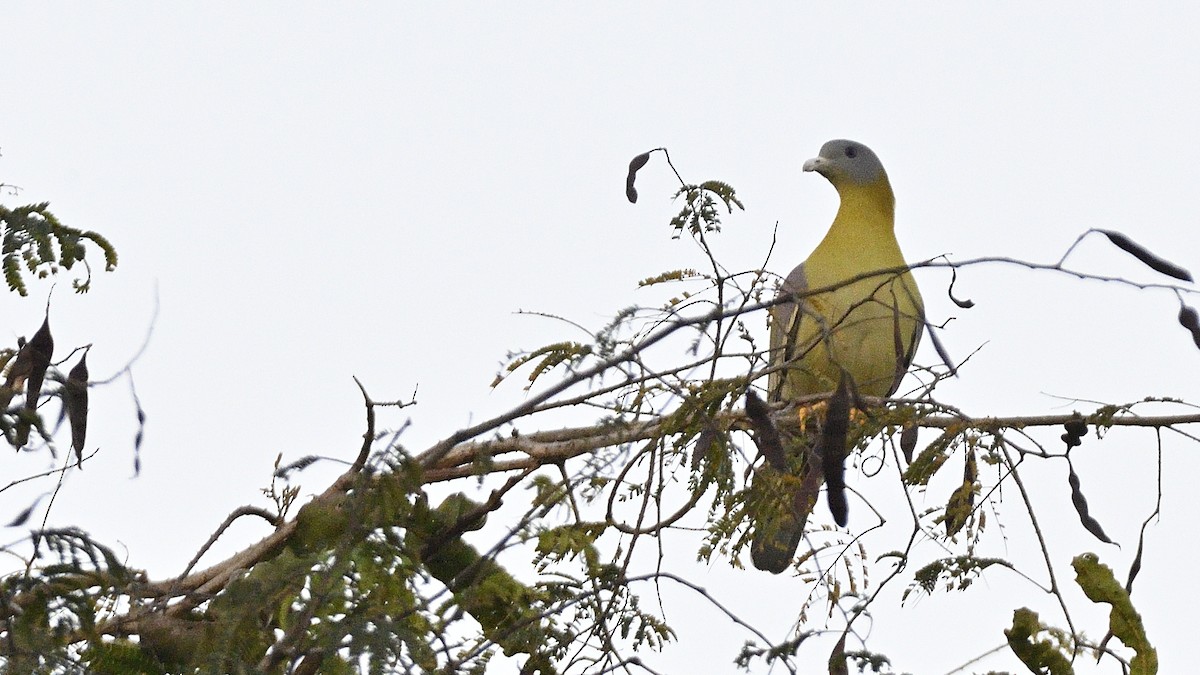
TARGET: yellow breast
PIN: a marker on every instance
(867, 328)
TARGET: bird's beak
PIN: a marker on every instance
(815, 164)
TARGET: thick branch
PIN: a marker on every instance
(548, 447)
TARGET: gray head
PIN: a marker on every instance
(843, 161)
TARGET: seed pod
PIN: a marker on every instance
(1081, 507)
(636, 163)
(41, 350)
(1191, 321)
(1149, 259)
(833, 452)
(75, 398)
(1076, 426)
(766, 435)
(22, 517)
(837, 658)
(941, 350)
(31, 364)
(965, 304)
(908, 442)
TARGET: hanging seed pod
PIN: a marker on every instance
(31, 364)
(75, 398)
(636, 163)
(965, 304)
(766, 435)
(1081, 507)
(908, 442)
(1191, 321)
(1149, 259)
(833, 452)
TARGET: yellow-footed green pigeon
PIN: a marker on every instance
(859, 336)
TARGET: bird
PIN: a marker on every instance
(859, 336)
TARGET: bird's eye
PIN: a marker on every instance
(851, 151)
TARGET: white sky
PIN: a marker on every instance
(319, 191)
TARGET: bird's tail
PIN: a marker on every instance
(781, 502)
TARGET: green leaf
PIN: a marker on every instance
(35, 240)
(1099, 585)
(962, 500)
(1043, 656)
(929, 461)
(551, 356)
(673, 275)
(569, 541)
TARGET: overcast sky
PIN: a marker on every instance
(319, 191)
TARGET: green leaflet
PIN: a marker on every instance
(1042, 656)
(1099, 585)
(31, 235)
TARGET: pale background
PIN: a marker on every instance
(316, 191)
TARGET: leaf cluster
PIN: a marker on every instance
(35, 242)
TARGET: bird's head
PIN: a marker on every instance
(843, 162)
(855, 171)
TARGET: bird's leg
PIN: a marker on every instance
(814, 411)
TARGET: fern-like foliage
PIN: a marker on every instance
(35, 242)
(699, 213)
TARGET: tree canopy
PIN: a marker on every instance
(551, 544)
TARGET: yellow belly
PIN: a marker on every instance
(866, 329)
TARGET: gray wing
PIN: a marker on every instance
(904, 358)
(777, 536)
(784, 325)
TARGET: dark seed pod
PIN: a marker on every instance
(833, 452)
(837, 658)
(766, 435)
(41, 348)
(965, 304)
(908, 442)
(636, 163)
(31, 364)
(75, 398)
(23, 517)
(1081, 507)
(1149, 259)
(838, 506)
(941, 350)
(1191, 321)
(1077, 427)
(1136, 566)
